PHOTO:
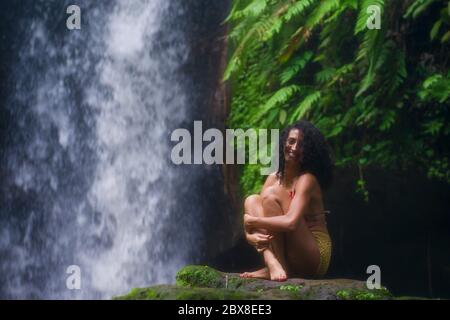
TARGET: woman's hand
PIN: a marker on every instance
(250, 221)
(259, 240)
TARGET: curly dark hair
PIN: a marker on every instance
(315, 153)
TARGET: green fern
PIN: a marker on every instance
(417, 8)
(325, 7)
(435, 88)
(325, 75)
(232, 15)
(278, 98)
(295, 67)
(305, 105)
(254, 8)
(298, 8)
(381, 97)
(388, 120)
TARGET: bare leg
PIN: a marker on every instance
(253, 206)
(275, 258)
(302, 251)
(274, 254)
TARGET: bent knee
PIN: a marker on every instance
(271, 199)
(272, 206)
(252, 200)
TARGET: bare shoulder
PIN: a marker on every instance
(307, 183)
(270, 180)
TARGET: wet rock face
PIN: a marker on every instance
(205, 283)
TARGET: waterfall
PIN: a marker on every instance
(88, 179)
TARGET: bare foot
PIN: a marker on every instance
(276, 271)
(260, 274)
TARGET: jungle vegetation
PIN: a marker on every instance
(379, 95)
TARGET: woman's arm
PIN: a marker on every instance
(299, 206)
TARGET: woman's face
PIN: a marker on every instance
(292, 151)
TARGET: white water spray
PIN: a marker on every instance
(95, 114)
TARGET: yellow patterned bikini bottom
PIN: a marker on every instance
(324, 243)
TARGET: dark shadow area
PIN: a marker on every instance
(403, 229)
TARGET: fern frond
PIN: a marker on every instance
(436, 87)
(325, 75)
(371, 49)
(430, 81)
(298, 8)
(297, 39)
(305, 106)
(417, 8)
(275, 22)
(341, 72)
(325, 7)
(256, 32)
(240, 29)
(278, 98)
(232, 66)
(254, 8)
(388, 120)
(267, 28)
(399, 72)
(435, 30)
(295, 67)
(232, 15)
(366, 83)
(446, 37)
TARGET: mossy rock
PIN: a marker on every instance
(199, 276)
(174, 292)
(375, 294)
(207, 277)
(205, 283)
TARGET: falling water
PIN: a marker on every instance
(89, 179)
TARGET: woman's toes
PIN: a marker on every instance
(280, 277)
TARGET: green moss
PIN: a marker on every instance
(141, 294)
(343, 294)
(214, 294)
(293, 291)
(206, 277)
(170, 292)
(199, 276)
(291, 288)
(376, 294)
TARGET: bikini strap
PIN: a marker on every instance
(292, 192)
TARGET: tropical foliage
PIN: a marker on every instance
(380, 96)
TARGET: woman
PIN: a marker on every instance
(286, 222)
